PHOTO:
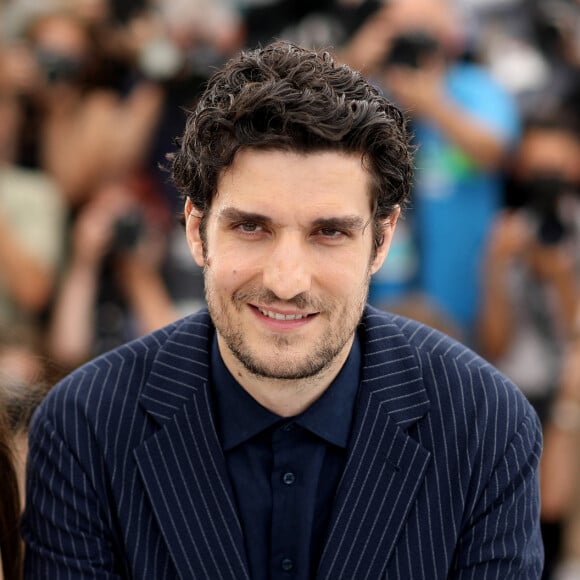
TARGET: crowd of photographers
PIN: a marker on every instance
(92, 252)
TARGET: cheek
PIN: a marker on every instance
(343, 275)
(231, 269)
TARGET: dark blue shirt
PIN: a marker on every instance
(284, 471)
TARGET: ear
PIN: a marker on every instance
(192, 223)
(388, 226)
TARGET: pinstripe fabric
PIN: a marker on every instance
(127, 478)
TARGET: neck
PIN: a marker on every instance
(284, 397)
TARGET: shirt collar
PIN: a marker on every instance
(330, 417)
(240, 416)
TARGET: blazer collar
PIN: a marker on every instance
(182, 466)
(180, 369)
(385, 466)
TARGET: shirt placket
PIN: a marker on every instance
(293, 501)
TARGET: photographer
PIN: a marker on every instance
(83, 130)
(32, 216)
(464, 125)
(530, 289)
(112, 289)
(531, 269)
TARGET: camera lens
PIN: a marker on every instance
(411, 48)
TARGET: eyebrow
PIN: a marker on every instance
(233, 215)
(349, 222)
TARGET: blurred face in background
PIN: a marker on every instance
(94, 11)
(435, 17)
(549, 151)
(61, 45)
(547, 177)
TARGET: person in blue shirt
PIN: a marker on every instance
(465, 124)
(288, 430)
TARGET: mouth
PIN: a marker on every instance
(281, 316)
(287, 321)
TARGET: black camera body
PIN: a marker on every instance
(411, 48)
(129, 229)
(543, 193)
(57, 67)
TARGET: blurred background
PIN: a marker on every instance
(92, 251)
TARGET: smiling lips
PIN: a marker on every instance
(280, 316)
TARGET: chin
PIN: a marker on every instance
(288, 366)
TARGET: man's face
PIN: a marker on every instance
(287, 255)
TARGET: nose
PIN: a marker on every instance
(287, 269)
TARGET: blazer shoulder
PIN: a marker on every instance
(474, 414)
(452, 373)
(121, 374)
(425, 341)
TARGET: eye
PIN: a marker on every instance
(249, 228)
(331, 234)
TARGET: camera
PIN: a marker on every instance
(543, 193)
(410, 49)
(129, 230)
(58, 67)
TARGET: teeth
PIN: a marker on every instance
(278, 316)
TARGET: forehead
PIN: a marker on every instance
(278, 182)
(549, 150)
(435, 16)
(61, 33)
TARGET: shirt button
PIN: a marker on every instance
(287, 564)
(289, 478)
(288, 427)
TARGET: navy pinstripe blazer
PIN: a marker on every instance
(127, 478)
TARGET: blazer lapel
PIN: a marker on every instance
(386, 466)
(182, 465)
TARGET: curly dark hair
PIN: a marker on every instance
(284, 97)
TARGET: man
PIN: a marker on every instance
(288, 431)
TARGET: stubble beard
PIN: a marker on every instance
(285, 365)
